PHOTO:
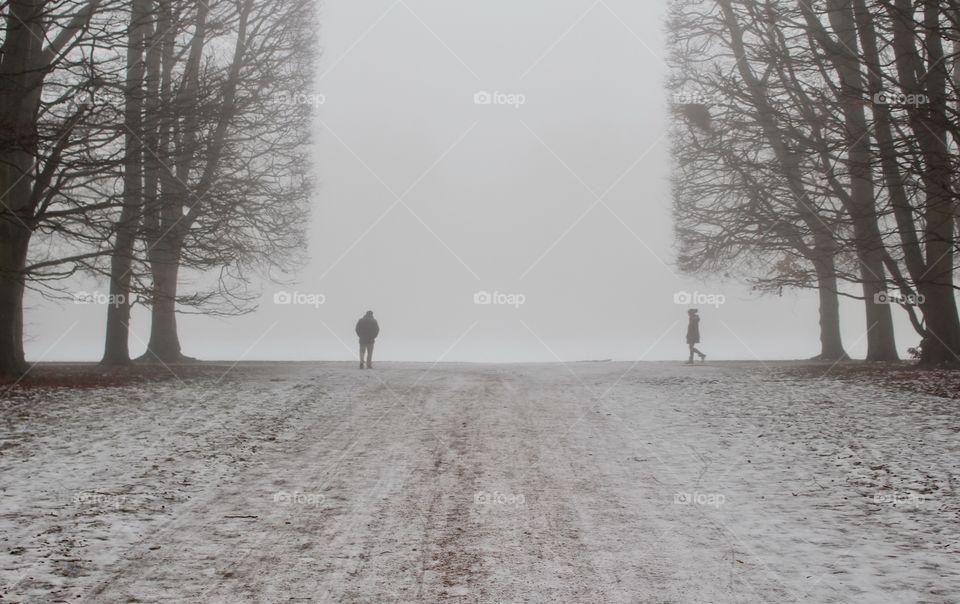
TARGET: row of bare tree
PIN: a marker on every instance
(816, 146)
(144, 140)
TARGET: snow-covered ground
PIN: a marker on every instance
(581, 483)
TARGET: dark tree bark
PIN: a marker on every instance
(13, 256)
(27, 56)
(831, 340)
(825, 245)
(207, 111)
(165, 222)
(164, 344)
(860, 202)
(117, 348)
(21, 56)
(936, 283)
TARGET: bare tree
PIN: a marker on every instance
(747, 171)
(226, 153)
(857, 102)
(859, 192)
(917, 68)
(140, 32)
(49, 61)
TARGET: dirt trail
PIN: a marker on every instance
(588, 483)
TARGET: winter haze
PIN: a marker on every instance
(371, 285)
(425, 197)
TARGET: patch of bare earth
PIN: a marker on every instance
(907, 377)
(599, 482)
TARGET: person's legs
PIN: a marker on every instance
(370, 355)
(692, 349)
(363, 348)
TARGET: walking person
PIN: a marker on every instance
(367, 330)
(693, 335)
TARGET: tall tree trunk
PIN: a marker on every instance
(165, 221)
(936, 283)
(789, 164)
(822, 256)
(164, 344)
(14, 241)
(27, 56)
(943, 347)
(903, 211)
(117, 348)
(20, 56)
(831, 340)
(173, 224)
(859, 203)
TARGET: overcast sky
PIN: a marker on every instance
(552, 189)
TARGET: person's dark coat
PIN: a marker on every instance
(368, 329)
(693, 330)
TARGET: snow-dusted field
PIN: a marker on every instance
(587, 483)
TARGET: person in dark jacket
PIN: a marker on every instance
(367, 330)
(693, 335)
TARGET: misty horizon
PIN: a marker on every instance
(423, 301)
(502, 197)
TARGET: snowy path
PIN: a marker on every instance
(587, 483)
